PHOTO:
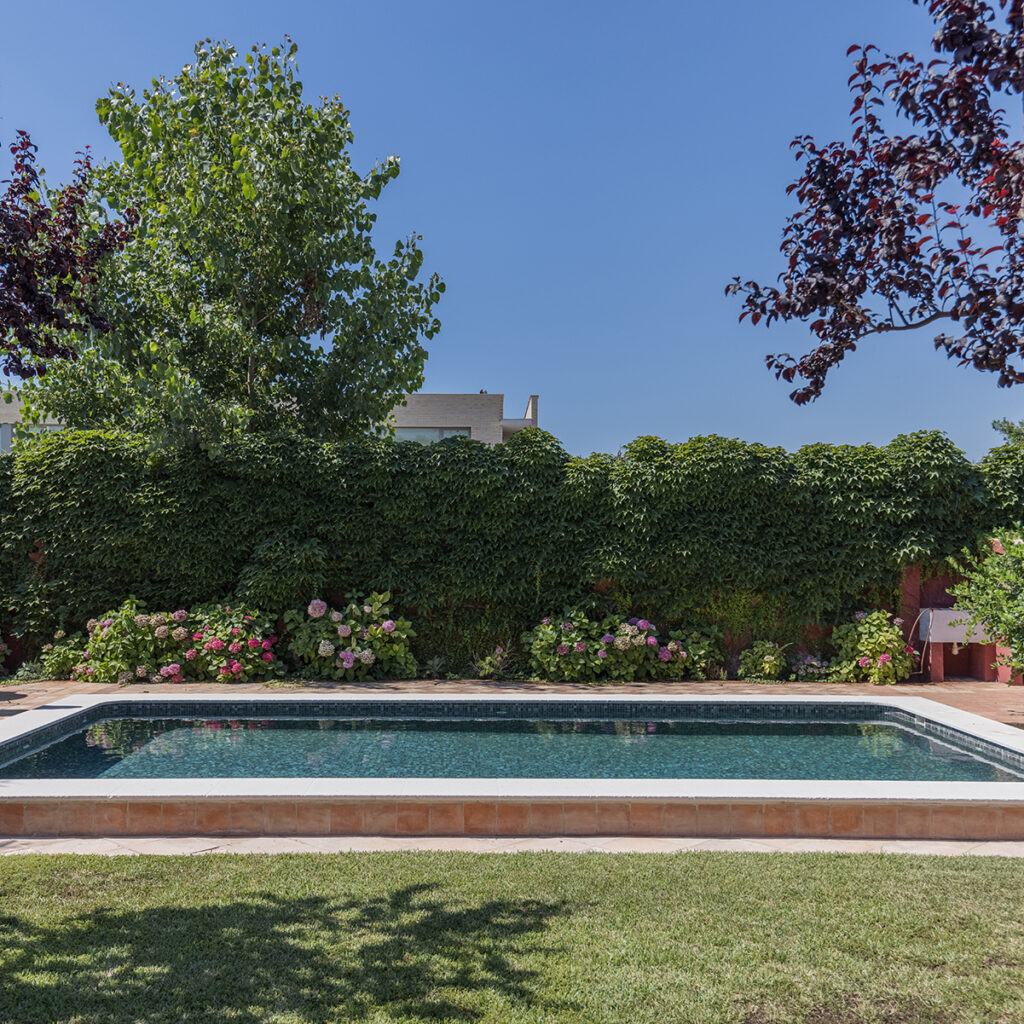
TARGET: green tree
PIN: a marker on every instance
(252, 298)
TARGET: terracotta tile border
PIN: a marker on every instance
(673, 818)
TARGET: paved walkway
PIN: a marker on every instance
(134, 845)
(991, 700)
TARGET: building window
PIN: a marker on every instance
(428, 435)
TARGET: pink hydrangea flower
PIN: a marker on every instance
(337, 616)
(563, 648)
(642, 624)
(197, 636)
(368, 609)
(546, 621)
(174, 667)
(602, 654)
(344, 630)
(267, 656)
(348, 658)
(253, 642)
(190, 655)
(235, 630)
(267, 644)
(388, 626)
(224, 670)
(180, 615)
(316, 608)
(176, 678)
(652, 641)
(235, 667)
(580, 646)
(235, 648)
(216, 645)
(864, 662)
(884, 659)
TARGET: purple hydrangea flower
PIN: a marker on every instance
(317, 608)
(388, 626)
(566, 626)
(602, 654)
(652, 641)
(546, 621)
(634, 622)
(642, 624)
(580, 646)
(563, 648)
(665, 654)
(607, 638)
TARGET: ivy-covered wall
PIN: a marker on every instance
(478, 541)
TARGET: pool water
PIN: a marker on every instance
(509, 748)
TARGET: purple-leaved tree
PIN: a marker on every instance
(900, 231)
(50, 262)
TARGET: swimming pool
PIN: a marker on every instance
(504, 765)
(663, 747)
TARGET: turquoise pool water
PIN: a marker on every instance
(516, 748)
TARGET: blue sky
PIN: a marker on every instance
(587, 176)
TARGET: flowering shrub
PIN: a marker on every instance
(812, 668)
(209, 642)
(361, 642)
(58, 660)
(577, 648)
(872, 649)
(763, 660)
(492, 666)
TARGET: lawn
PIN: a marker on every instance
(693, 937)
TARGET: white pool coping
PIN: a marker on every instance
(416, 789)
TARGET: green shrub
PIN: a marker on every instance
(361, 642)
(763, 660)
(992, 596)
(871, 648)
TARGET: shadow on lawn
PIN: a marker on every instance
(266, 956)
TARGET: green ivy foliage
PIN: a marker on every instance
(477, 544)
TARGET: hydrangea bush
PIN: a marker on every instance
(764, 659)
(871, 649)
(812, 668)
(130, 644)
(364, 641)
(577, 648)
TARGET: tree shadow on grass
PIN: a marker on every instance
(407, 953)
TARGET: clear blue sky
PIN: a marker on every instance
(586, 175)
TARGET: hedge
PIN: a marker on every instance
(476, 541)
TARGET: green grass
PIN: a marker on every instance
(697, 937)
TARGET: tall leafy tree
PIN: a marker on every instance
(253, 297)
(51, 254)
(916, 228)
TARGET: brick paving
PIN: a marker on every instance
(988, 699)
